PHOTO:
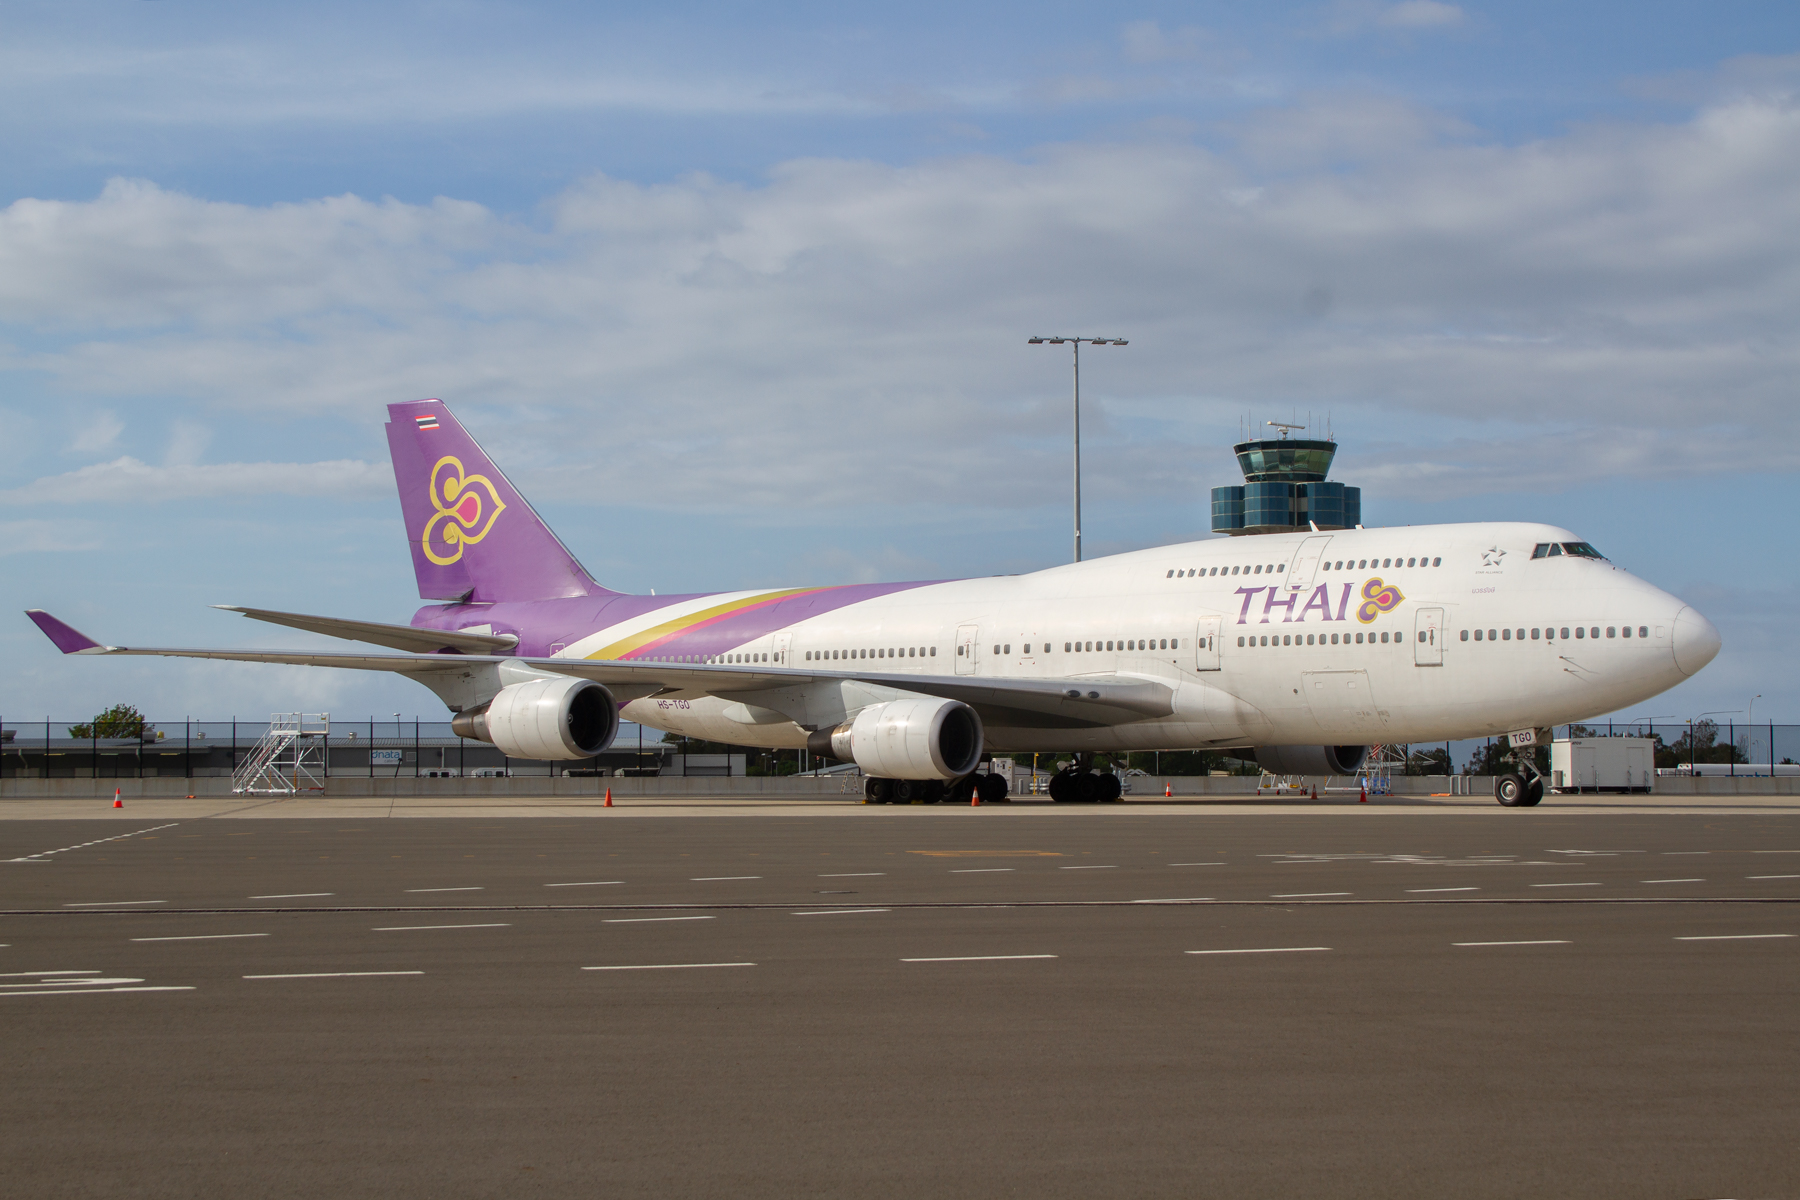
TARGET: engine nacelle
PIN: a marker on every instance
(1311, 760)
(542, 719)
(924, 738)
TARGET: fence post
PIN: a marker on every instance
(415, 747)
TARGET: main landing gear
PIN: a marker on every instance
(991, 788)
(1079, 783)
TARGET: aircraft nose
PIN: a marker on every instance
(1696, 641)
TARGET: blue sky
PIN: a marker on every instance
(739, 295)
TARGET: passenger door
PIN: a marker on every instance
(1300, 572)
(968, 640)
(1428, 637)
(782, 643)
(1206, 645)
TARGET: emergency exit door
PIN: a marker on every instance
(1428, 637)
(1206, 645)
(968, 640)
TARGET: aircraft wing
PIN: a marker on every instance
(398, 637)
(1077, 702)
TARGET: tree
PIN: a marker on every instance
(1699, 744)
(119, 721)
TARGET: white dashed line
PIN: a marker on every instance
(670, 966)
(832, 912)
(1673, 852)
(1539, 942)
(1772, 877)
(1564, 885)
(1308, 895)
(334, 975)
(1217, 864)
(295, 896)
(111, 903)
(981, 958)
(97, 841)
(1753, 851)
(1671, 881)
(1173, 900)
(595, 883)
(1731, 937)
(1094, 867)
(641, 920)
(1455, 889)
(415, 891)
(980, 870)
(200, 937)
(409, 928)
(852, 874)
(1262, 950)
(720, 878)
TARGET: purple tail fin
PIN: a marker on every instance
(473, 536)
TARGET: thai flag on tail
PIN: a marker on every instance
(428, 421)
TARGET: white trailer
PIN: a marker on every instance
(1602, 765)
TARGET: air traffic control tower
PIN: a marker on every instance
(1284, 489)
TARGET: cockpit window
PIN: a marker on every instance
(1582, 550)
(1540, 550)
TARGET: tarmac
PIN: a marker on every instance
(730, 997)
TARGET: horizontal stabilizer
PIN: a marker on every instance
(65, 638)
(396, 637)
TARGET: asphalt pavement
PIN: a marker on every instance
(954, 1002)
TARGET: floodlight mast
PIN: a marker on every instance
(1076, 343)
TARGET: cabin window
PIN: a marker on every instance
(1643, 631)
(1164, 645)
(1565, 633)
(1240, 643)
(1362, 564)
(1506, 635)
(1170, 575)
(1465, 635)
(934, 652)
(1611, 631)
(1626, 632)
(1478, 635)
(1258, 570)
(1334, 638)
(1594, 632)
(1580, 632)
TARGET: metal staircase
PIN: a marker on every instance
(290, 757)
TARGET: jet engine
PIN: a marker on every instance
(559, 718)
(1311, 760)
(922, 738)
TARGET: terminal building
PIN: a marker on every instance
(1285, 489)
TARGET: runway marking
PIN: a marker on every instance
(669, 966)
(1753, 852)
(852, 874)
(1262, 950)
(641, 920)
(720, 878)
(200, 937)
(1671, 881)
(980, 958)
(97, 990)
(1174, 900)
(988, 853)
(295, 896)
(1565, 885)
(35, 974)
(414, 891)
(75, 983)
(1687, 851)
(1095, 867)
(1308, 895)
(97, 841)
(1772, 877)
(595, 883)
(1539, 942)
(1214, 864)
(1455, 889)
(832, 912)
(334, 974)
(980, 870)
(111, 903)
(1731, 937)
(407, 928)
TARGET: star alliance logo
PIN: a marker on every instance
(1491, 557)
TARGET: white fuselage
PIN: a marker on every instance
(1413, 634)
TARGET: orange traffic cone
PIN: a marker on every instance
(1362, 796)
(1315, 791)
(975, 797)
(608, 797)
(117, 803)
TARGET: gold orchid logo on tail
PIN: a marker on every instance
(1378, 597)
(467, 507)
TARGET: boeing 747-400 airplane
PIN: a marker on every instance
(1306, 647)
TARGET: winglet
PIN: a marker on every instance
(69, 641)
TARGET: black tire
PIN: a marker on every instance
(1509, 790)
(992, 788)
(1534, 792)
(1065, 787)
(878, 791)
(1111, 788)
(1088, 788)
(962, 791)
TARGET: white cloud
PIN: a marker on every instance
(128, 481)
(96, 432)
(1348, 17)
(848, 334)
(53, 536)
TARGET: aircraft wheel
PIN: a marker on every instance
(992, 788)
(1534, 792)
(1111, 788)
(1509, 790)
(878, 791)
(961, 791)
(1065, 787)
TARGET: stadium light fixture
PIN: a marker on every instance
(1061, 341)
